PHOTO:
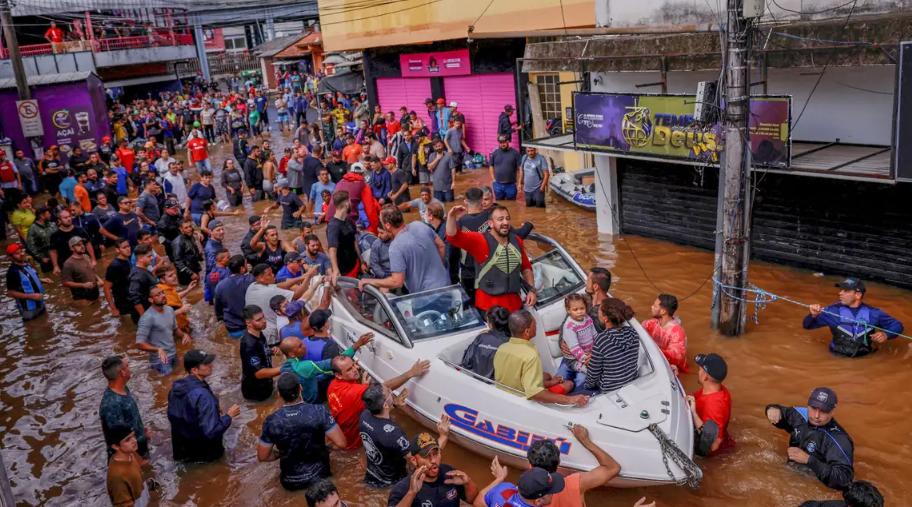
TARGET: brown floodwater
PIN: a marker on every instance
(51, 385)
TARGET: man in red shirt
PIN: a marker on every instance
(345, 391)
(500, 257)
(667, 332)
(54, 36)
(711, 406)
(126, 155)
(198, 151)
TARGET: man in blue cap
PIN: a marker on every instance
(536, 487)
(850, 321)
(816, 440)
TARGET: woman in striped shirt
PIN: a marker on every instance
(614, 357)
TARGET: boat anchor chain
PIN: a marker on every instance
(671, 450)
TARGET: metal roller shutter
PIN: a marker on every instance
(481, 99)
(396, 92)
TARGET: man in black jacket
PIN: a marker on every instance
(253, 173)
(187, 257)
(169, 224)
(816, 440)
(197, 422)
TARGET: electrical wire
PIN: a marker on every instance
(472, 26)
(822, 11)
(429, 2)
(823, 71)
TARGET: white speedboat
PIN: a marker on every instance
(570, 186)
(646, 425)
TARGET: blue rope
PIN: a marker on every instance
(761, 298)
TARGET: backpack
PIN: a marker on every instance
(7, 172)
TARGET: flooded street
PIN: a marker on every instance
(51, 385)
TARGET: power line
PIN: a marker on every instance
(822, 11)
(472, 26)
(429, 2)
(823, 71)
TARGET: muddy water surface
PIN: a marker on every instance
(50, 387)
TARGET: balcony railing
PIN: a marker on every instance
(157, 39)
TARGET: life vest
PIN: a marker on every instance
(501, 273)
(851, 336)
(7, 173)
(31, 284)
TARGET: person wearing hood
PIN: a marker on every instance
(197, 422)
(359, 192)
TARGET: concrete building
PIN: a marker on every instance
(832, 203)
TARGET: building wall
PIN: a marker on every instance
(799, 221)
(852, 104)
(349, 25)
(570, 161)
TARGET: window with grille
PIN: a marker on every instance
(549, 95)
(235, 43)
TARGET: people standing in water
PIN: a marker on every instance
(851, 320)
(816, 441)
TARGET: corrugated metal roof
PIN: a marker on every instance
(270, 48)
(47, 79)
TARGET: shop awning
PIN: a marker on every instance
(348, 83)
(825, 160)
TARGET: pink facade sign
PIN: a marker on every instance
(436, 64)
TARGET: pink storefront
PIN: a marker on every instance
(480, 97)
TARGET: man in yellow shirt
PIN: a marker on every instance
(518, 368)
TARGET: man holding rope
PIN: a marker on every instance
(855, 325)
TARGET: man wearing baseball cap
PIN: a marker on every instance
(23, 283)
(504, 168)
(432, 482)
(505, 126)
(536, 487)
(711, 406)
(197, 422)
(816, 440)
(851, 320)
(78, 273)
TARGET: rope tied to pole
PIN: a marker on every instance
(761, 298)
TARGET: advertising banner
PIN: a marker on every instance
(663, 126)
(436, 64)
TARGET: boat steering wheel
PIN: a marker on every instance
(427, 319)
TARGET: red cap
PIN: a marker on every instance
(390, 160)
(13, 248)
(106, 139)
(441, 101)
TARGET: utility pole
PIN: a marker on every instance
(733, 247)
(12, 45)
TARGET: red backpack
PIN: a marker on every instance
(7, 172)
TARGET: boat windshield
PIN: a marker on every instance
(435, 313)
(554, 277)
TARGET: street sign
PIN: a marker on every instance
(29, 118)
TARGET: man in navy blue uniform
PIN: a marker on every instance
(850, 321)
(816, 440)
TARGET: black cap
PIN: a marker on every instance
(538, 482)
(423, 444)
(823, 398)
(194, 358)
(292, 257)
(713, 365)
(852, 284)
(319, 318)
(253, 219)
(502, 138)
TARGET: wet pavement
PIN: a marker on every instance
(51, 384)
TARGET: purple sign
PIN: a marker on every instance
(73, 114)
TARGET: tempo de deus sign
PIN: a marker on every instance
(664, 126)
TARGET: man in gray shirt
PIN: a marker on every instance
(504, 169)
(535, 175)
(455, 143)
(155, 333)
(443, 172)
(296, 171)
(416, 255)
